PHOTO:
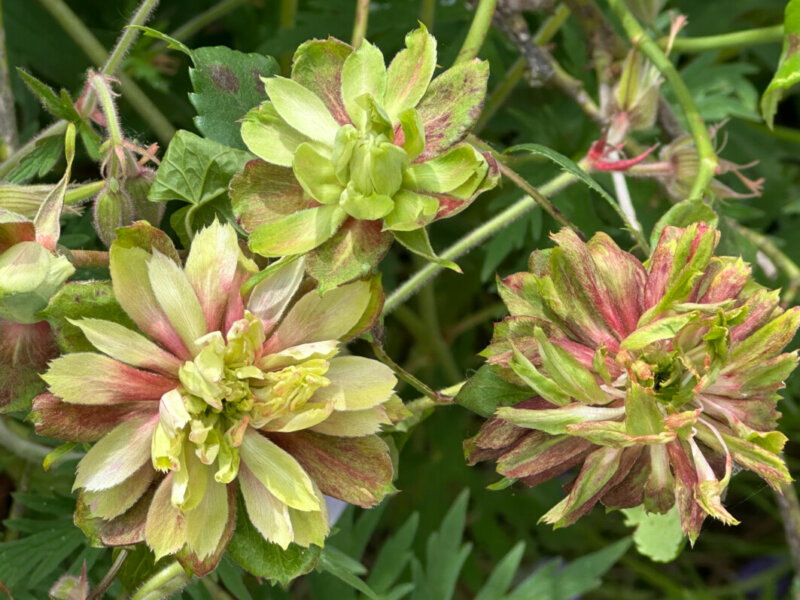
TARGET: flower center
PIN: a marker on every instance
(226, 388)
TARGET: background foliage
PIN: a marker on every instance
(435, 540)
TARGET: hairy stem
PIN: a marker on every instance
(90, 45)
(381, 355)
(360, 23)
(474, 238)
(735, 39)
(8, 118)
(83, 192)
(164, 584)
(129, 35)
(789, 506)
(205, 18)
(105, 583)
(12, 162)
(427, 13)
(777, 256)
(707, 158)
(88, 258)
(19, 446)
(477, 31)
(103, 90)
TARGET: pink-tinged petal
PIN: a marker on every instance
(520, 293)
(356, 470)
(127, 346)
(493, 439)
(132, 289)
(724, 279)
(262, 193)
(623, 277)
(165, 530)
(268, 514)
(202, 567)
(353, 252)
(692, 515)
(212, 266)
(540, 454)
(117, 455)
(83, 423)
(761, 307)
(272, 295)
(89, 378)
(452, 105)
(316, 318)
(757, 411)
(178, 300)
(765, 342)
(629, 492)
(125, 530)
(14, 228)
(111, 503)
(317, 66)
(25, 350)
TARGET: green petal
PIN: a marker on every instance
(110, 503)
(278, 471)
(446, 172)
(205, 525)
(417, 241)
(317, 66)
(546, 388)
(316, 318)
(363, 72)
(214, 264)
(268, 514)
(312, 526)
(272, 295)
(165, 531)
(354, 423)
(366, 208)
(357, 383)
(302, 109)
(269, 137)
(116, 456)
(413, 133)
(554, 421)
(125, 345)
(571, 376)
(410, 72)
(315, 173)
(297, 233)
(411, 211)
(177, 299)
(311, 414)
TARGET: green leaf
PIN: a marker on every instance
(264, 559)
(341, 566)
(788, 71)
(583, 574)
(171, 42)
(57, 105)
(683, 214)
(82, 299)
(662, 329)
(417, 241)
(486, 390)
(393, 557)
(502, 576)
(40, 161)
(659, 537)
(227, 84)
(196, 170)
(231, 575)
(444, 556)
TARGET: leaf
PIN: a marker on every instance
(40, 161)
(503, 574)
(417, 241)
(788, 71)
(58, 105)
(445, 556)
(195, 170)
(393, 556)
(341, 566)
(231, 575)
(659, 537)
(486, 390)
(583, 574)
(227, 84)
(264, 559)
(82, 299)
(683, 214)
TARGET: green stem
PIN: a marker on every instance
(735, 39)
(499, 94)
(8, 118)
(789, 506)
(87, 42)
(94, 259)
(380, 353)
(428, 338)
(777, 256)
(205, 18)
(707, 158)
(477, 30)
(430, 316)
(19, 446)
(472, 239)
(420, 405)
(103, 91)
(164, 584)
(427, 13)
(83, 192)
(105, 583)
(286, 21)
(17, 508)
(129, 35)
(12, 162)
(360, 23)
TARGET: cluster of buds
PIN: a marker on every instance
(222, 393)
(633, 102)
(123, 199)
(355, 154)
(652, 378)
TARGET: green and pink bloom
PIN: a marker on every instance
(217, 395)
(354, 154)
(652, 379)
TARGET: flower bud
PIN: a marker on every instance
(137, 188)
(112, 209)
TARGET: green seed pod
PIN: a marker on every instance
(137, 188)
(111, 210)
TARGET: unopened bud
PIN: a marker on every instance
(112, 209)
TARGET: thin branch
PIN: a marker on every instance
(360, 23)
(129, 35)
(19, 446)
(105, 583)
(288, 16)
(205, 18)
(88, 258)
(8, 118)
(735, 39)
(478, 29)
(707, 158)
(789, 506)
(777, 256)
(427, 13)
